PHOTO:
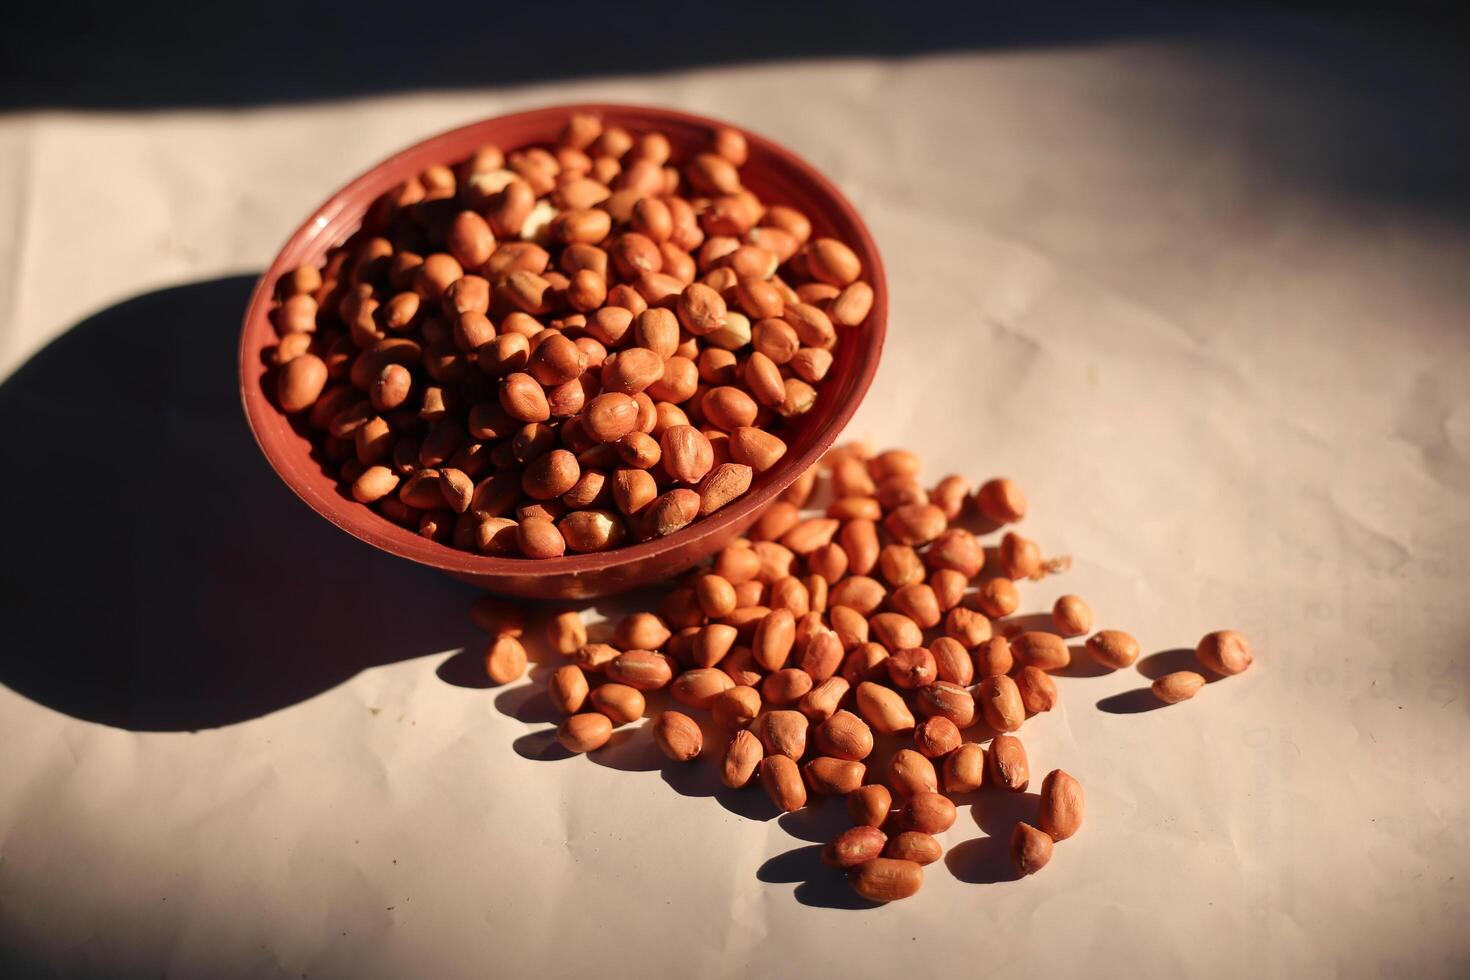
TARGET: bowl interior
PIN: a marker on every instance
(775, 174)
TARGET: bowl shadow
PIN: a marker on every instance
(194, 590)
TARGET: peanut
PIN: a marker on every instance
(736, 707)
(1113, 648)
(1038, 690)
(505, 660)
(1030, 849)
(1007, 765)
(585, 732)
(936, 737)
(996, 598)
(640, 669)
(884, 709)
(915, 846)
(910, 773)
(1072, 616)
(699, 687)
(678, 736)
(1061, 805)
(886, 879)
(1046, 651)
(782, 781)
(1000, 703)
(742, 756)
(1178, 686)
(844, 736)
(620, 702)
(1224, 652)
(568, 689)
(834, 777)
(854, 846)
(928, 812)
(869, 805)
(964, 769)
(783, 732)
(949, 701)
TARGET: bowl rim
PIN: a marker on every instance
(373, 529)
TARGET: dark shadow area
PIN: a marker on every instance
(987, 860)
(1156, 665)
(820, 821)
(160, 576)
(1014, 625)
(1132, 702)
(632, 747)
(817, 886)
(1082, 664)
(153, 54)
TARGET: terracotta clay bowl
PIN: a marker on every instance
(776, 174)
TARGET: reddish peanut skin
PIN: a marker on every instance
(914, 845)
(869, 805)
(1030, 849)
(586, 732)
(929, 812)
(853, 847)
(1224, 652)
(1178, 686)
(1113, 649)
(1062, 804)
(781, 778)
(886, 879)
(1006, 764)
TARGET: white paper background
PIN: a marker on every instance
(1218, 334)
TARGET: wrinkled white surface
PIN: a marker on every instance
(1236, 389)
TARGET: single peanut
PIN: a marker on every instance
(1224, 652)
(620, 702)
(736, 707)
(834, 777)
(854, 846)
(568, 689)
(1038, 691)
(910, 773)
(1008, 767)
(884, 709)
(936, 737)
(844, 736)
(505, 660)
(782, 781)
(869, 805)
(1045, 651)
(964, 769)
(1000, 703)
(1178, 686)
(886, 879)
(783, 732)
(640, 669)
(928, 812)
(1061, 805)
(678, 736)
(699, 687)
(1030, 849)
(1072, 616)
(996, 597)
(585, 732)
(1001, 501)
(1113, 649)
(742, 756)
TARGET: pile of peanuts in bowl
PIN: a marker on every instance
(564, 349)
(857, 643)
